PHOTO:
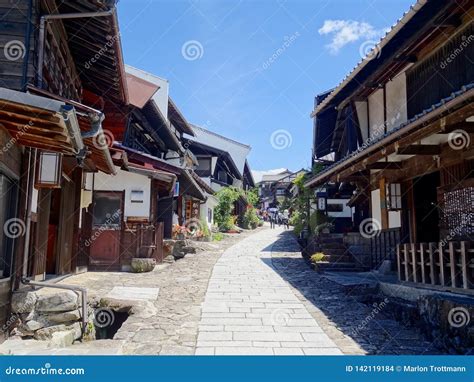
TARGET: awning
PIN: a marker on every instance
(201, 183)
(94, 137)
(152, 173)
(189, 186)
(143, 158)
(40, 122)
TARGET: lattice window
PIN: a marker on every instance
(457, 213)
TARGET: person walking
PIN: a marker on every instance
(286, 219)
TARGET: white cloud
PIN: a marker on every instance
(344, 32)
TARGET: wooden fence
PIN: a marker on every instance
(383, 246)
(448, 264)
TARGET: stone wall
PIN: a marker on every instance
(47, 316)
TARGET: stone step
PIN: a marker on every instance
(334, 251)
(332, 245)
(345, 258)
(338, 267)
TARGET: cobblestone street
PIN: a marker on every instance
(252, 293)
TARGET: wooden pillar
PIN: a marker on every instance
(383, 203)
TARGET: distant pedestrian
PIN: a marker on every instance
(286, 219)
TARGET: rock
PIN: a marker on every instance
(23, 302)
(140, 265)
(62, 339)
(64, 317)
(62, 301)
(47, 333)
(182, 248)
(33, 325)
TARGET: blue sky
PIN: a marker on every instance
(250, 70)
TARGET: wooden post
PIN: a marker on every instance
(441, 263)
(423, 264)
(405, 252)
(464, 265)
(432, 263)
(399, 263)
(452, 262)
(383, 203)
(413, 256)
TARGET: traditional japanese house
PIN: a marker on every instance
(49, 131)
(400, 126)
(221, 163)
(268, 191)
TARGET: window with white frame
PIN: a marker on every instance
(394, 196)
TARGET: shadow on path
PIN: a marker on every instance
(342, 314)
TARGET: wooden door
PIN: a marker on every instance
(106, 229)
(165, 215)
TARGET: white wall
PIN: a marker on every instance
(376, 210)
(396, 101)
(361, 110)
(394, 219)
(376, 113)
(124, 181)
(211, 203)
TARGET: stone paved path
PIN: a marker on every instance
(263, 298)
(250, 309)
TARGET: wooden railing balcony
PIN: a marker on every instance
(448, 264)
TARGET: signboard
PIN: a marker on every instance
(321, 204)
(176, 189)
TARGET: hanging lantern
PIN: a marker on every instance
(49, 170)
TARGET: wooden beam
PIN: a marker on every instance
(468, 127)
(384, 166)
(419, 150)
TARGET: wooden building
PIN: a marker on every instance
(399, 128)
(51, 69)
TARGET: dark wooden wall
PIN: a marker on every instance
(13, 32)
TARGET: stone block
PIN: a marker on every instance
(139, 265)
(23, 302)
(61, 301)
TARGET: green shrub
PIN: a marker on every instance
(250, 218)
(218, 236)
(223, 211)
(317, 257)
